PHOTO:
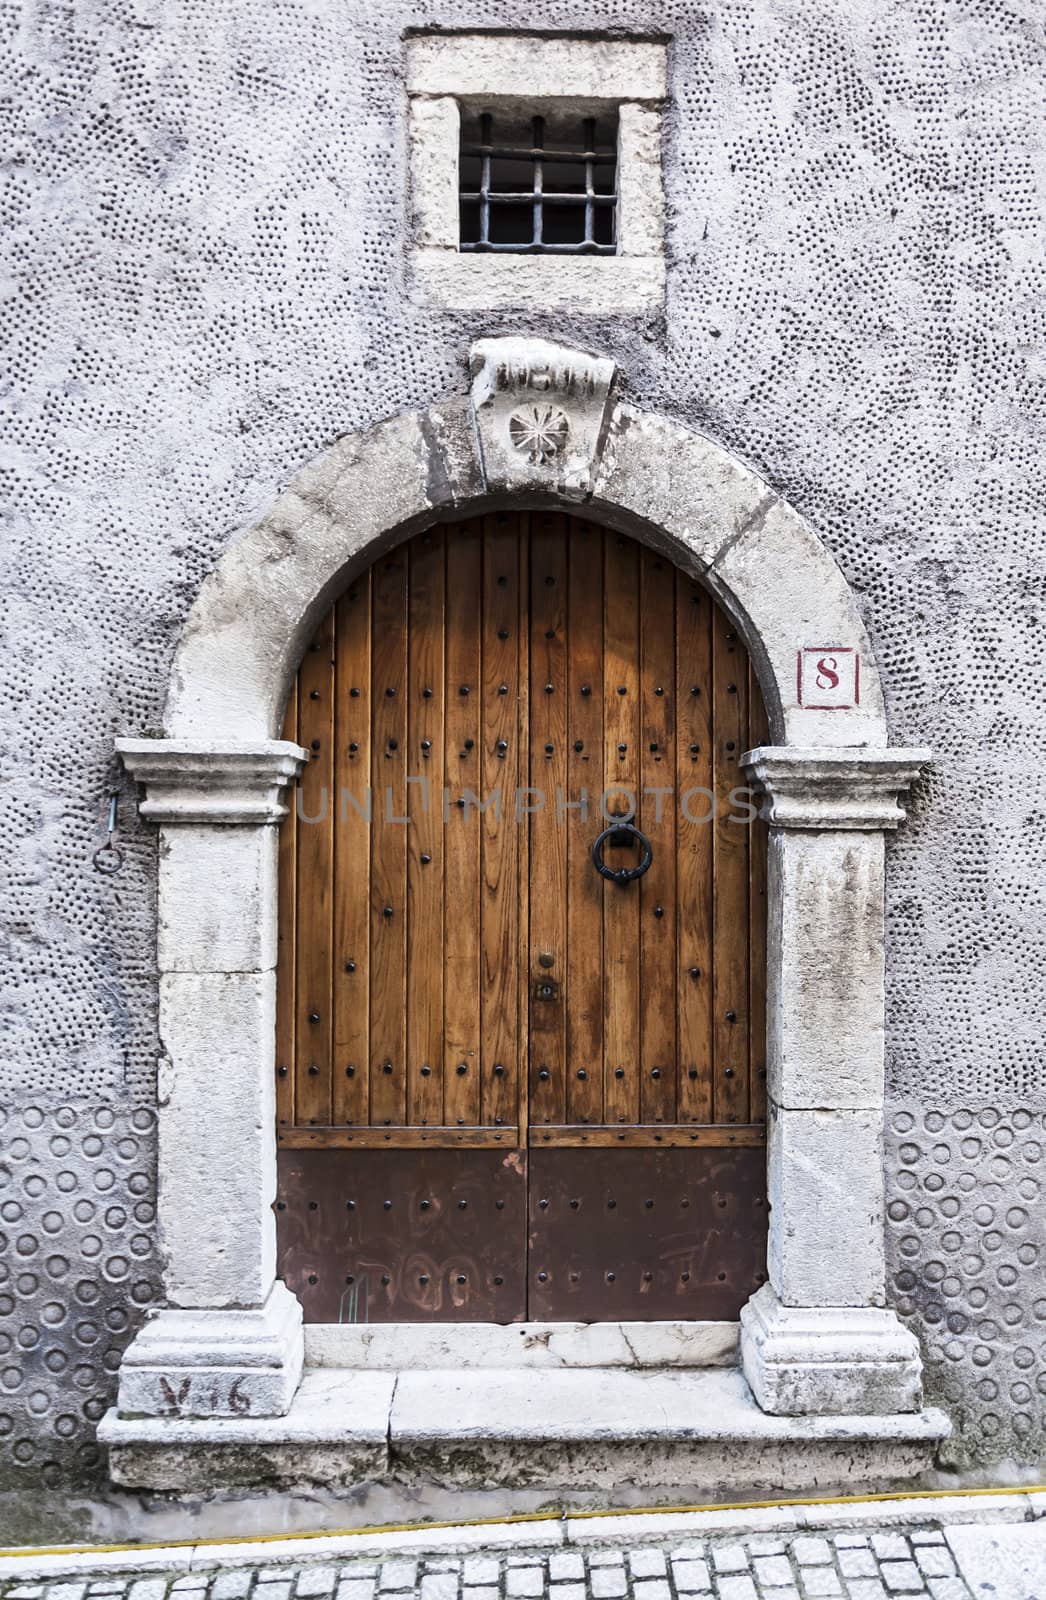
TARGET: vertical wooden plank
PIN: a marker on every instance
(462, 901)
(621, 778)
(695, 831)
(758, 733)
(730, 928)
(584, 971)
(388, 908)
(522, 827)
(499, 833)
(313, 1019)
(425, 854)
(286, 972)
(657, 818)
(352, 836)
(548, 770)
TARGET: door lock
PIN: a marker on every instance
(546, 989)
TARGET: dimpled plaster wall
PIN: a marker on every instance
(77, 1268)
(964, 1248)
(206, 207)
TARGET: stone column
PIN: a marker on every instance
(818, 1337)
(229, 1342)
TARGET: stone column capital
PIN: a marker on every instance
(193, 781)
(822, 788)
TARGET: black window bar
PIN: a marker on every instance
(562, 220)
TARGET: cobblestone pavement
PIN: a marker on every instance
(851, 1566)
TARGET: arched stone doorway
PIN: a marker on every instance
(540, 428)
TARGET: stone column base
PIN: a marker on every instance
(828, 1360)
(216, 1363)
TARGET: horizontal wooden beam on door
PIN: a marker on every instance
(669, 1134)
(324, 1138)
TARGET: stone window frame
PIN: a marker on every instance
(818, 1337)
(627, 75)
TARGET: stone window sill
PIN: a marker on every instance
(594, 285)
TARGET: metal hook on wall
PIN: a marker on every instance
(108, 858)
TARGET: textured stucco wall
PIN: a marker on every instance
(207, 207)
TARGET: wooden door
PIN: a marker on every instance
(507, 1085)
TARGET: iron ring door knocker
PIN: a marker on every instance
(622, 833)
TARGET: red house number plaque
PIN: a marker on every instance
(829, 677)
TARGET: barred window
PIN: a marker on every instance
(538, 184)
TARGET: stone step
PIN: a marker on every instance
(685, 1435)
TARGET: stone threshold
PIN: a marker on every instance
(404, 1346)
(698, 1431)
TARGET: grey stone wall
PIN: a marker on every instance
(206, 209)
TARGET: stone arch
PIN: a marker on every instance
(635, 470)
(539, 427)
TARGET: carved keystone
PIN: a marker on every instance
(540, 412)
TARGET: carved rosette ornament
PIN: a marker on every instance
(539, 432)
(540, 411)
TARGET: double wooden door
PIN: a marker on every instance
(511, 1085)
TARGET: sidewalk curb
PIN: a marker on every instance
(546, 1532)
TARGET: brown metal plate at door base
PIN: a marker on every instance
(404, 1235)
(641, 1235)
